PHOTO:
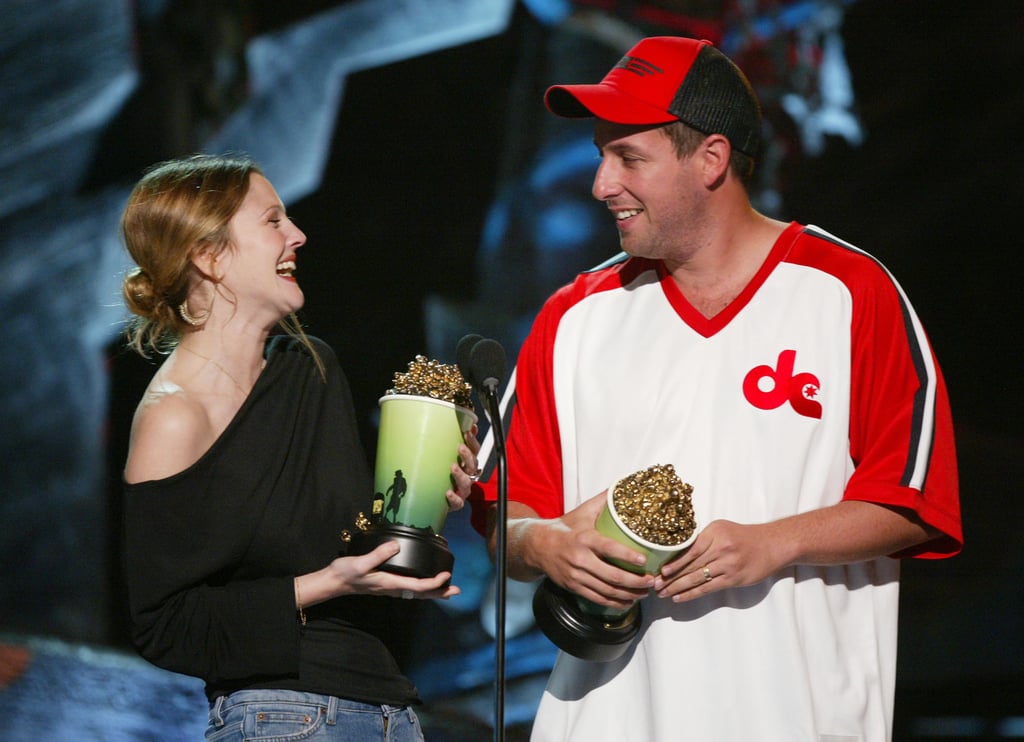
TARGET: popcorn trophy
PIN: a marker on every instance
(422, 422)
(650, 511)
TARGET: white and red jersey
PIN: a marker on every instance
(816, 384)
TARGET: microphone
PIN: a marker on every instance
(462, 356)
(487, 365)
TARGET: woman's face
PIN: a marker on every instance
(259, 267)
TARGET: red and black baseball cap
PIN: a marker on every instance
(664, 78)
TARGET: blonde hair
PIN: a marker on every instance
(178, 209)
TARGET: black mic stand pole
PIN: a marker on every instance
(483, 361)
(501, 556)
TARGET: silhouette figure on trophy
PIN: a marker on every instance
(396, 492)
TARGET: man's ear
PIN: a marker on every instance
(715, 152)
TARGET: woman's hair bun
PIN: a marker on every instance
(138, 293)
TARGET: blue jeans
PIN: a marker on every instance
(281, 715)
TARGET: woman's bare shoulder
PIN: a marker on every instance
(171, 430)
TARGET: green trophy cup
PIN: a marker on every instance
(650, 512)
(421, 428)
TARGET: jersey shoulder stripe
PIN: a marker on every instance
(862, 274)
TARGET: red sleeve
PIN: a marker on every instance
(533, 445)
(901, 428)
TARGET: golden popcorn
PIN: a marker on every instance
(429, 378)
(656, 505)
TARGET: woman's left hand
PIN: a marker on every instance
(465, 471)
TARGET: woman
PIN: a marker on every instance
(244, 469)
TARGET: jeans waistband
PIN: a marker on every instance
(330, 704)
(333, 705)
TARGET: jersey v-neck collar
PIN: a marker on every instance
(710, 326)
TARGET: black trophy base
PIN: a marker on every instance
(423, 553)
(579, 633)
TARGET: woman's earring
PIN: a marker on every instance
(183, 311)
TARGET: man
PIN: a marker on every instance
(784, 374)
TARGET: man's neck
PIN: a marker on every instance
(718, 273)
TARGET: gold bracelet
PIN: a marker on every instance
(298, 603)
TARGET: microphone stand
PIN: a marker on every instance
(501, 553)
(483, 361)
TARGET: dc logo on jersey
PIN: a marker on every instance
(768, 388)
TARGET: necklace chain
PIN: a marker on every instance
(224, 370)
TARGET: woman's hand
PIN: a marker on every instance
(465, 471)
(360, 575)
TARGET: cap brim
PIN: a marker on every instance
(602, 101)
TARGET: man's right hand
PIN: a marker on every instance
(573, 554)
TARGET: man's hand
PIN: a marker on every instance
(727, 554)
(573, 554)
